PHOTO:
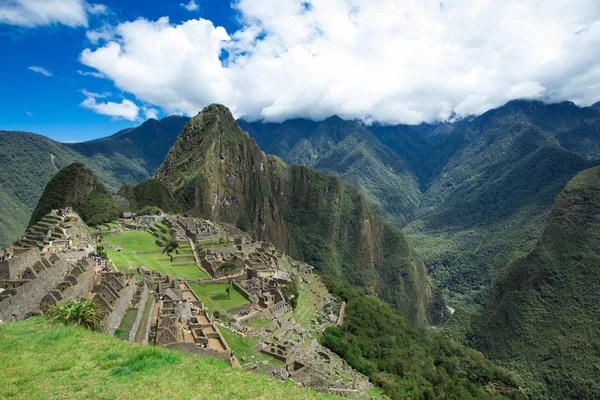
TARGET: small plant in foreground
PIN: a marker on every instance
(85, 313)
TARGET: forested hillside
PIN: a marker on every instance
(542, 317)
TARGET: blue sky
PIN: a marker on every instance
(76, 70)
(50, 105)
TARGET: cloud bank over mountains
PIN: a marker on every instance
(375, 60)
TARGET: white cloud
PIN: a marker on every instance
(375, 60)
(40, 70)
(191, 6)
(92, 73)
(150, 112)
(31, 13)
(29, 113)
(127, 109)
(98, 9)
(104, 33)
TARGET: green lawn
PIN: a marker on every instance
(134, 242)
(243, 348)
(123, 330)
(215, 296)
(41, 360)
(261, 323)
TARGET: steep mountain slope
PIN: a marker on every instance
(349, 151)
(542, 317)
(28, 161)
(77, 186)
(474, 193)
(488, 206)
(216, 171)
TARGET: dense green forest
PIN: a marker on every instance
(76, 186)
(409, 361)
(542, 316)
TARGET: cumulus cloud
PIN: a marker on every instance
(191, 6)
(40, 70)
(31, 13)
(374, 60)
(126, 109)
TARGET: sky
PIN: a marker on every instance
(76, 70)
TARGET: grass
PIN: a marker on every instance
(261, 323)
(215, 297)
(41, 360)
(144, 321)
(133, 243)
(243, 348)
(126, 324)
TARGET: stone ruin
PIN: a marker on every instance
(28, 277)
(114, 292)
(181, 321)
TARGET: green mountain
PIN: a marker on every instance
(349, 151)
(215, 171)
(77, 186)
(471, 196)
(28, 162)
(542, 316)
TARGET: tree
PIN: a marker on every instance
(227, 268)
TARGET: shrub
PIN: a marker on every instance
(85, 313)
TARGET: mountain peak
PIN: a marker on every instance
(596, 106)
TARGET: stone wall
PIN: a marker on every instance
(13, 268)
(140, 314)
(121, 305)
(27, 297)
(85, 282)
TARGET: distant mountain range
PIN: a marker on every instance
(471, 196)
(28, 161)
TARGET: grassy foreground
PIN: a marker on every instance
(42, 360)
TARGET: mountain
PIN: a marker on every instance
(77, 186)
(28, 161)
(487, 205)
(542, 315)
(215, 170)
(348, 150)
(596, 106)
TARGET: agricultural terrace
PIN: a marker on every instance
(139, 248)
(215, 296)
(242, 346)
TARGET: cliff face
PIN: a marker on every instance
(216, 171)
(542, 316)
